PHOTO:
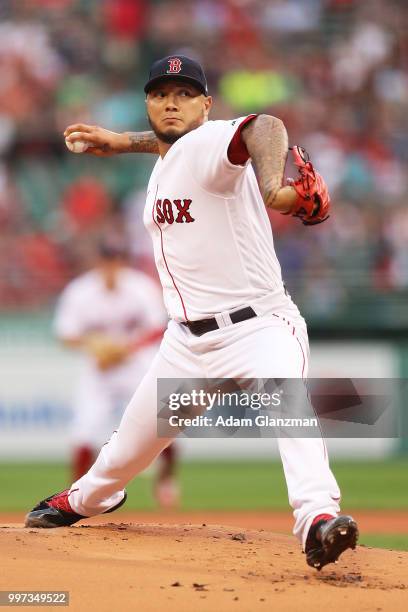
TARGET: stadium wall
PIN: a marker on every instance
(38, 378)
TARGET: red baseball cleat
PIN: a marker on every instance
(55, 511)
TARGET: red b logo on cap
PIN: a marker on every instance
(174, 65)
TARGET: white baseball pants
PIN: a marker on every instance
(269, 346)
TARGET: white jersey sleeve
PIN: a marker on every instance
(217, 156)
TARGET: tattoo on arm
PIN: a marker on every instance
(267, 142)
(142, 142)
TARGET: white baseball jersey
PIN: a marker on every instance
(212, 237)
(134, 307)
(214, 251)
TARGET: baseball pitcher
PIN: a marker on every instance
(229, 313)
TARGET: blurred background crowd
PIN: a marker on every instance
(335, 71)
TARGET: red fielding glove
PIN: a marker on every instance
(313, 202)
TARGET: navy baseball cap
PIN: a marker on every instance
(177, 67)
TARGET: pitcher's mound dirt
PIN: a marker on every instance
(156, 567)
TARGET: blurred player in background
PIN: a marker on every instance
(114, 315)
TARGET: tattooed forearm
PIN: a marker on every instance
(142, 142)
(267, 143)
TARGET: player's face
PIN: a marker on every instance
(175, 108)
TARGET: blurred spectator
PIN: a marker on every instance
(334, 70)
(86, 204)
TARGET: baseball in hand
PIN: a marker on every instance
(79, 146)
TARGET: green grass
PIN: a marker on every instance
(257, 485)
(253, 485)
(392, 541)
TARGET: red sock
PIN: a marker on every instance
(321, 517)
(169, 454)
(82, 459)
(167, 463)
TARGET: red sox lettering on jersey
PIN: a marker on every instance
(176, 211)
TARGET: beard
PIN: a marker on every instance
(170, 136)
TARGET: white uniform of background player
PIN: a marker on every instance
(87, 307)
(116, 302)
(214, 251)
